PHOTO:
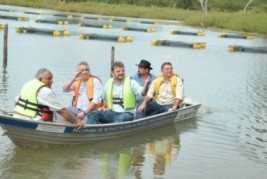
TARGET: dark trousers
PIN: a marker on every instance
(152, 108)
(96, 117)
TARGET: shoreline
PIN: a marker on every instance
(186, 17)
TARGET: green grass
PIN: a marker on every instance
(249, 22)
(238, 21)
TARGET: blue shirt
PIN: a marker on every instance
(139, 80)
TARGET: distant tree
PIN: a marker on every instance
(204, 5)
(245, 8)
(185, 4)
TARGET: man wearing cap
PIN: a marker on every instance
(142, 75)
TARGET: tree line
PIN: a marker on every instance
(204, 5)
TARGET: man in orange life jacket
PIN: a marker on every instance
(37, 101)
(167, 93)
(88, 91)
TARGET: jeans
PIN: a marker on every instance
(96, 117)
(152, 108)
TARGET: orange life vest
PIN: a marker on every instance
(90, 91)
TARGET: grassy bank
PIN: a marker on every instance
(237, 21)
(249, 22)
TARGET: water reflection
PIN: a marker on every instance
(163, 151)
(138, 160)
(119, 158)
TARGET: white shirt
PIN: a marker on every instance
(166, 95)
(47, 97)
(83, 100)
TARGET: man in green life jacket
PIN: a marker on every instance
(37, 101)
(119, 98)
(166, 93)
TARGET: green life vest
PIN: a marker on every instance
(128, 100)
(27, 104)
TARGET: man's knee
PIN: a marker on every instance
(124, 117)
(92, 117)
(140, 115)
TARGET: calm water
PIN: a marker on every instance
(227, 139)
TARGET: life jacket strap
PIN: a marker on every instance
(118, 101)
(39, 108)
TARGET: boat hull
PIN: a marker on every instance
(40, 134)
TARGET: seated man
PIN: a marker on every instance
(167, 93)
(119, 98)
(37, 101)
(143, 73)
(87, 91)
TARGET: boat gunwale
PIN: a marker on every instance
(98, 125)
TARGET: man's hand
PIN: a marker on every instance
(142, 107)
(77, 76)
(79, 124)
(80, 115)
(172, 109)
(147, 81)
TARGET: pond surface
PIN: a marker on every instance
(227, 139)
